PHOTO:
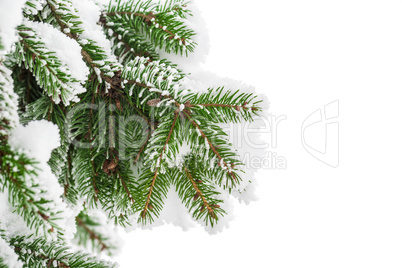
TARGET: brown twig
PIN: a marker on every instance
(198, 191)
(126, 188)
(92, 234)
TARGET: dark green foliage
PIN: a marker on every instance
(88, 233)
(198, 193)
(41, 253)
(25, 87)
(19, 179)
(220, 106)
(49, 71)
(121, 131)
(159, 23)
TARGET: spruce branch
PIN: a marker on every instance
(50, 73)
(89, 229)
(198, 195)
(225, 106)
(24, 193)
(19, 171)
(127, 43)
(220, 151)
(135, 114)
(157, 161)
(165, 29)
(41, 253)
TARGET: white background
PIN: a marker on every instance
(303, 55)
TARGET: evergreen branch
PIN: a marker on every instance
(19, 173)
(87, 230)
(223, 107)
(95, 57)
(151, 80)
(127, 43)
(34, 252)
(50, 73)
(221, 162)
(119, 193)
(84, 176)
(129, 195)
(19, 177)
(8, 258)
(142, 148)
(92, 54)
(178, 7)
(60, 21)
(60, 159)
(64, 15)
(8, 105)
(144, 211)
(92, 234)
(147, 18)
(199, 193)
(165, 29)
(199, 196)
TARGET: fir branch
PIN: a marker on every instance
(41, 253)
(165, 29)
(92, 54)
(142, 148)
(178, 7)
(129, 195)
(46, 67)
(8, 258)
(151, 80)
(119, 193)
(225, 106)
(86, 230)
(60, 21)
(198, 193)
(84, 176)
(92, 234)
(19, 178)
(147, 18)
(127, 43)
(25, 86)
(222, 163)
(146, 207)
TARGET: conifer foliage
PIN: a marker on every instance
(122, 127)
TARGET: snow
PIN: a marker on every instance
(67, 50)
(8, 106)
(12, 223)
(7, 254)
(106, 228)
(197, 23)
(37, 139)
(89, 14)
(10, 18)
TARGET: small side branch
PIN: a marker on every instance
(200, 194)
(92, 234)
(144, 212)
(213, 148)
